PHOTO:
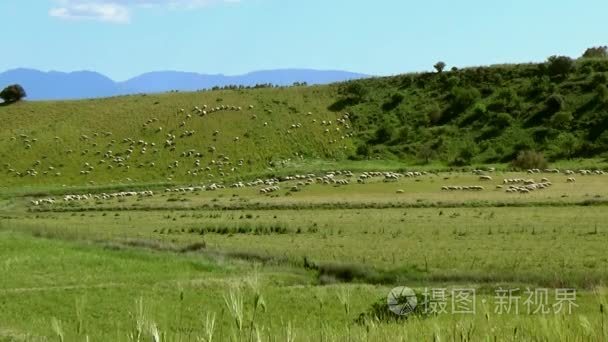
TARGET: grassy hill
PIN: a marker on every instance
(457, 117)
(58, 139)
(484, 114)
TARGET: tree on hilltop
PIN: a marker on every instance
(439, 66)
(12, 93)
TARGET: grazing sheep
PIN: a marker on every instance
(571, 180)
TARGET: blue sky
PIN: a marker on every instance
(123, 38)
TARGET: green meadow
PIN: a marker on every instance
(329, 198)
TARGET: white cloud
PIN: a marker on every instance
(119, 11)
(180, 3)
(91, 10)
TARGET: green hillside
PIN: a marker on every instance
(56, 140)
(484, 114)
(457, 117)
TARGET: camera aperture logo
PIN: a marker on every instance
(402, 300)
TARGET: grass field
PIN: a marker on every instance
(304, 265)
(312, 257)
(74, 291)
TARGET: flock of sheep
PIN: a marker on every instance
(340, 178)
(87, 197)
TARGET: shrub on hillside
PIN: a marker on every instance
(596, 79)
(434, 113)
(405, 81)
(566, 144)
(596, 64)
(452, 82)
(477, 116)
(601, 94)
(596, 52)
(404, 134)
(502, 120)
(426, 152)
(464, 157)
(383, 134)
(602, 140)
(351, 94)
(561, 120)
(463, 98)
(393, 102)
(555, 103)
(539, 86)
(559, 65)
(13, 93)
(529, 160)
(356, 91)
(363, 150)
(506, 100)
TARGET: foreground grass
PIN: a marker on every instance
(69, 291)
(551, 246)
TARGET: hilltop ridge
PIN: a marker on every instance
(54, 85)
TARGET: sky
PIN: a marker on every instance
(125, 38)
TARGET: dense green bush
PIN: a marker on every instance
(555, 103)
(502, 120)
(529, 160)
(601, 93)
(384, 134)
(426, 152)
(596, 52)
(464, 156)
(599, 78)
(565, 145)
(561, 120)
(559, 65)
(434, 113)
(393, 102)
(452, 82)
(12, 93)
(363, 150)
(464, 97)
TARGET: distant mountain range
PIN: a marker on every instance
(55, 85)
